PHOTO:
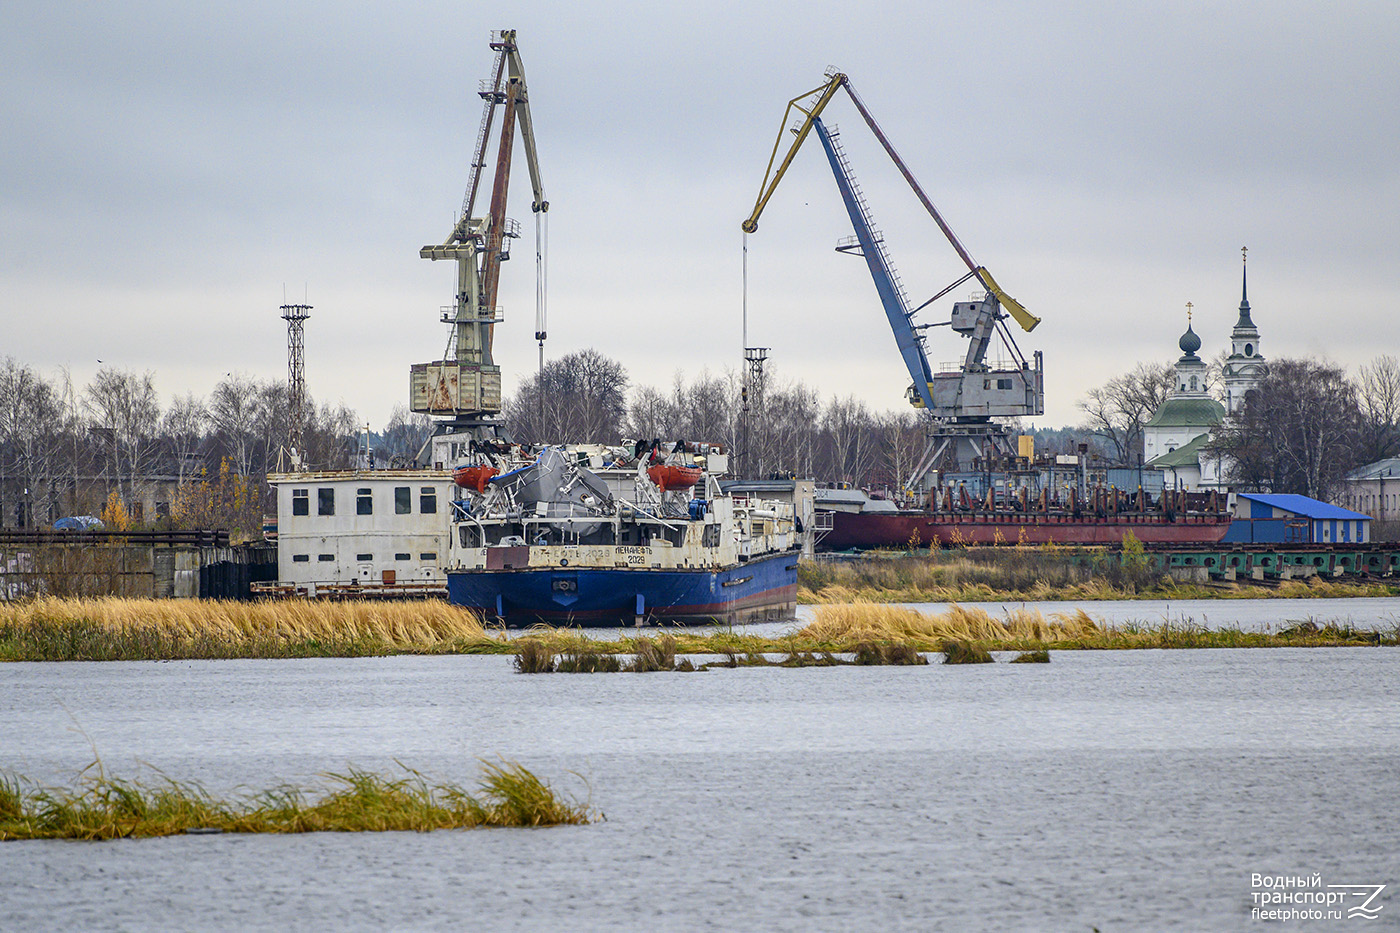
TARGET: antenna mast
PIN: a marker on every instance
(295, 316)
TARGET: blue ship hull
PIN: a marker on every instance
(757, 590)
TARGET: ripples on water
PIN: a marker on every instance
(1124, 790)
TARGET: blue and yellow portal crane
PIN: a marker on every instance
(965, 399)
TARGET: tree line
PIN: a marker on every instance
(67, 449)
(1307, 425)
(1302, 430)
(788, 431)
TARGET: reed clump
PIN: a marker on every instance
(102, 807)
(115, 629)
(588, 660)
(842, 626)
(899, 653)
(960, 652)
(1032, 657)
(532, 656)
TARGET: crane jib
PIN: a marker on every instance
(910, 348)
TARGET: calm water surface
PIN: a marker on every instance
(1119, 790)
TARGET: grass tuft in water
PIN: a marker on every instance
(1032, 657)
(357, 801)
(533, 657)
(897, 653)
(586, 659)
(958, 652)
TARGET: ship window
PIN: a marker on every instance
(402, 556)
(711, 536)
(301, 502)
(403, 500)
(364, 558)
(1003, 383)
(325, 502)
(300, 558)
(428, 555)
(324, 558)
(364, 502)
(427, 500)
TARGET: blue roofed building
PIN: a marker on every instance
(1285, 518)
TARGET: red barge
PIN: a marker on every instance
(1107, 515)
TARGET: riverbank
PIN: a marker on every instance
(1037, 575)
(160, 630)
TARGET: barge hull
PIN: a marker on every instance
(761, 589)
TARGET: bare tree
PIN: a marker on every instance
(331, 438)
(125, 413)
(650, 414)
(789, 426)
(185, 423)
(902, 435)
(1378, 394)
(403, 437)
(708, 408)
(1296, 433)
(577, 398)
(1118, 410)
(30, 439)
(234, 412)
(847, 424)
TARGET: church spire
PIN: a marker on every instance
(1245, 320)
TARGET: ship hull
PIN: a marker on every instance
(859, 530)
(761, 589)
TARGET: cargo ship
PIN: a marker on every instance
(608, 538)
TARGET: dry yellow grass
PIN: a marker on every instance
(837, 627)
(867, 621)
(133, 628)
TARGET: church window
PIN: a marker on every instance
(1249, 349)
(1193, 383)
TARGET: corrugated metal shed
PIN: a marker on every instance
(1302, 505)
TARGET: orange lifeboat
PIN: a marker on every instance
(670, 477)
(475, 476)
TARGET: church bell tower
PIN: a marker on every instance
(1245, 366)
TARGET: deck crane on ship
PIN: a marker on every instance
(961, 400)
(464, 387)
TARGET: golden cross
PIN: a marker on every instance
(1244, 251)
(1189, 306)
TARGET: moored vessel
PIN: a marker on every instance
(575, 537)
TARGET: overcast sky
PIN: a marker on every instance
(168, 169)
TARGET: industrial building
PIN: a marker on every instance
(1281, 518)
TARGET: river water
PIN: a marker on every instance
(1131, 790)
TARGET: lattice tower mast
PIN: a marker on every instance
(295, 316)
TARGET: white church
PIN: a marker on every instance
(1174, 439)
